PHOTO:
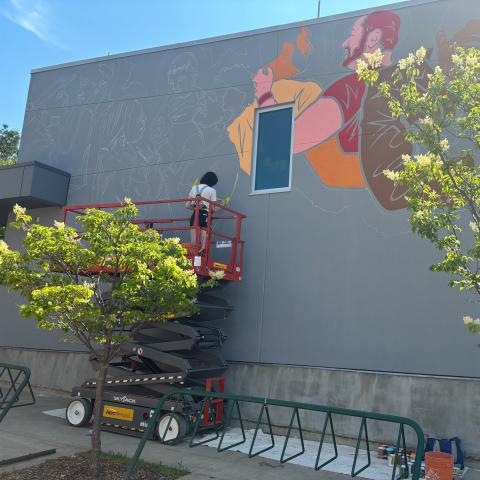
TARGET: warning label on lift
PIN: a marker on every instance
(223, 266)
(118, 412)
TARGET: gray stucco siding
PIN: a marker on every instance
(331, 277)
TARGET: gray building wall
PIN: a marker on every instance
(331, 278)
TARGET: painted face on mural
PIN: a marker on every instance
(262, 81)
(354, 44)
(370, 32)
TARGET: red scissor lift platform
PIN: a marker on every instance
(182, 352)
(223, 231)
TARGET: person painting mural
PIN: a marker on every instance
(204, 189)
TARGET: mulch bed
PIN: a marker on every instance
(79, 468)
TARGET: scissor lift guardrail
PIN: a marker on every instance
(234, 404)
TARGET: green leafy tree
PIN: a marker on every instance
(442, 182)
(64, 279)
(9, 140)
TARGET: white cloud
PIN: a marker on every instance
(32, 15)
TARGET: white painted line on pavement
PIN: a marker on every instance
(59, 412)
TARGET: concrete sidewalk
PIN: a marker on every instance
(27, 430)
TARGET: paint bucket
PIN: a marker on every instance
(438, 466)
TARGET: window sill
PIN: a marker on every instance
(272, 190)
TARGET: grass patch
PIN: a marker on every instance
(170, 473)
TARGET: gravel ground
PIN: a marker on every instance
(78, 468)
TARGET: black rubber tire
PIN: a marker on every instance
(80, 416)
(178, 428)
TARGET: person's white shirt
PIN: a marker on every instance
(203, 191)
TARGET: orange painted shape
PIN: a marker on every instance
(302, 41)
(335, 168)
(282, 66)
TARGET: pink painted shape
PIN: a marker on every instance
(316, 124)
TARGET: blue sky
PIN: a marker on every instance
(37, 33)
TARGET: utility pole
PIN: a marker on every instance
(318, 10)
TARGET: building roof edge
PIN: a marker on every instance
(246, 33)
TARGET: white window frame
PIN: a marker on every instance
(259, 111)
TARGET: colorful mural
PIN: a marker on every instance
(272, 85)
(345, 130)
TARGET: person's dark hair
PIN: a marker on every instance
(210, 179)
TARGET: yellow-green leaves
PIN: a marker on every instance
(473, 324)
(442, 178)
(21, 218)
(96, 282)
(367, 67)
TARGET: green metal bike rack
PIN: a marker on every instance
(195, 429)
(363, 428)
(257, 426)
(296, 407)
(17, 379)
(227, 424)
(328, 420)
(287, 438)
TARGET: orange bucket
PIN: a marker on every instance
(438, 466)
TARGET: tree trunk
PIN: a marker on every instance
(97, 416)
